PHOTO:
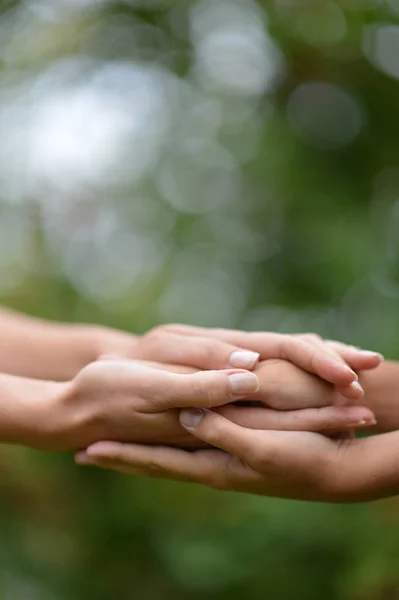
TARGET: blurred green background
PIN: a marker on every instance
(215, 162)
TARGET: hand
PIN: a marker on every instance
(296, 465)
(282, 386)
(130, 401)
(220, 349)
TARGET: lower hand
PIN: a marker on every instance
(295, 465)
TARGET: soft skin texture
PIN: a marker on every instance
(108, 401)
(139, 402)
(54, 351)
(296, 465)
(41, 349)
(124, 400)
(213, 348)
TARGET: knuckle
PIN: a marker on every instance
(213, 390)
(312, 337)
(313, 356)
(210, 351)
(262, 459)
(319, 421)
(222, 479)
(216, 433)
(152, 341)
(155, 333)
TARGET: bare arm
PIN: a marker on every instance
(45, 350)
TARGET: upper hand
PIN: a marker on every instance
(220, 349)
(130, 401)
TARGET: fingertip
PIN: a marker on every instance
(354, 391)
(244, 359)
(335, 372)
(83, 459)
(103, 450)
(243, 384)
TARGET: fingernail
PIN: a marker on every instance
(370, 354)
(81, 458)
(365, 423)
(351, 371)
(244, 359)
(190, 418)
(242, 384)
(356, 386)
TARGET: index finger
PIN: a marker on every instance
(318, 360)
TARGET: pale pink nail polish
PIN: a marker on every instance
(243, 359)
(242, 384)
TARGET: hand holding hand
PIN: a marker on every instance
(295, 465)
(220, 349)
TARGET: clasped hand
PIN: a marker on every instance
(304, 385)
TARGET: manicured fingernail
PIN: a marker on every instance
(244, 359)
(366, 423)
(242, 384)
(190, 418)
(81, 458)
(351, 371)
(357, 387)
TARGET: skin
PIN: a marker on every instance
(286, 464)
(135, 401)
(131, 401)
(40, 349)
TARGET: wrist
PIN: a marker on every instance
(83, 344)
(100, 340)
(28, 408)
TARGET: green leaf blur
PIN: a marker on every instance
(215, 162)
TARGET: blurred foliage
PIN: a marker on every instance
(217, 162)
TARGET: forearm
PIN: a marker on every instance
(382, 394)
(45, 350)
(366, 470)
(27, 410)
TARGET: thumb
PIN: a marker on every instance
(217, 431)
(281, 454)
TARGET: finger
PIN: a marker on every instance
(306, 354)
(280, 456)
(217, 431)
(354, 391)
(147, 363)
(202, 466)
(195, 351)
(319, 419)
(204, 389)
(162, 390)
(356, 358)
